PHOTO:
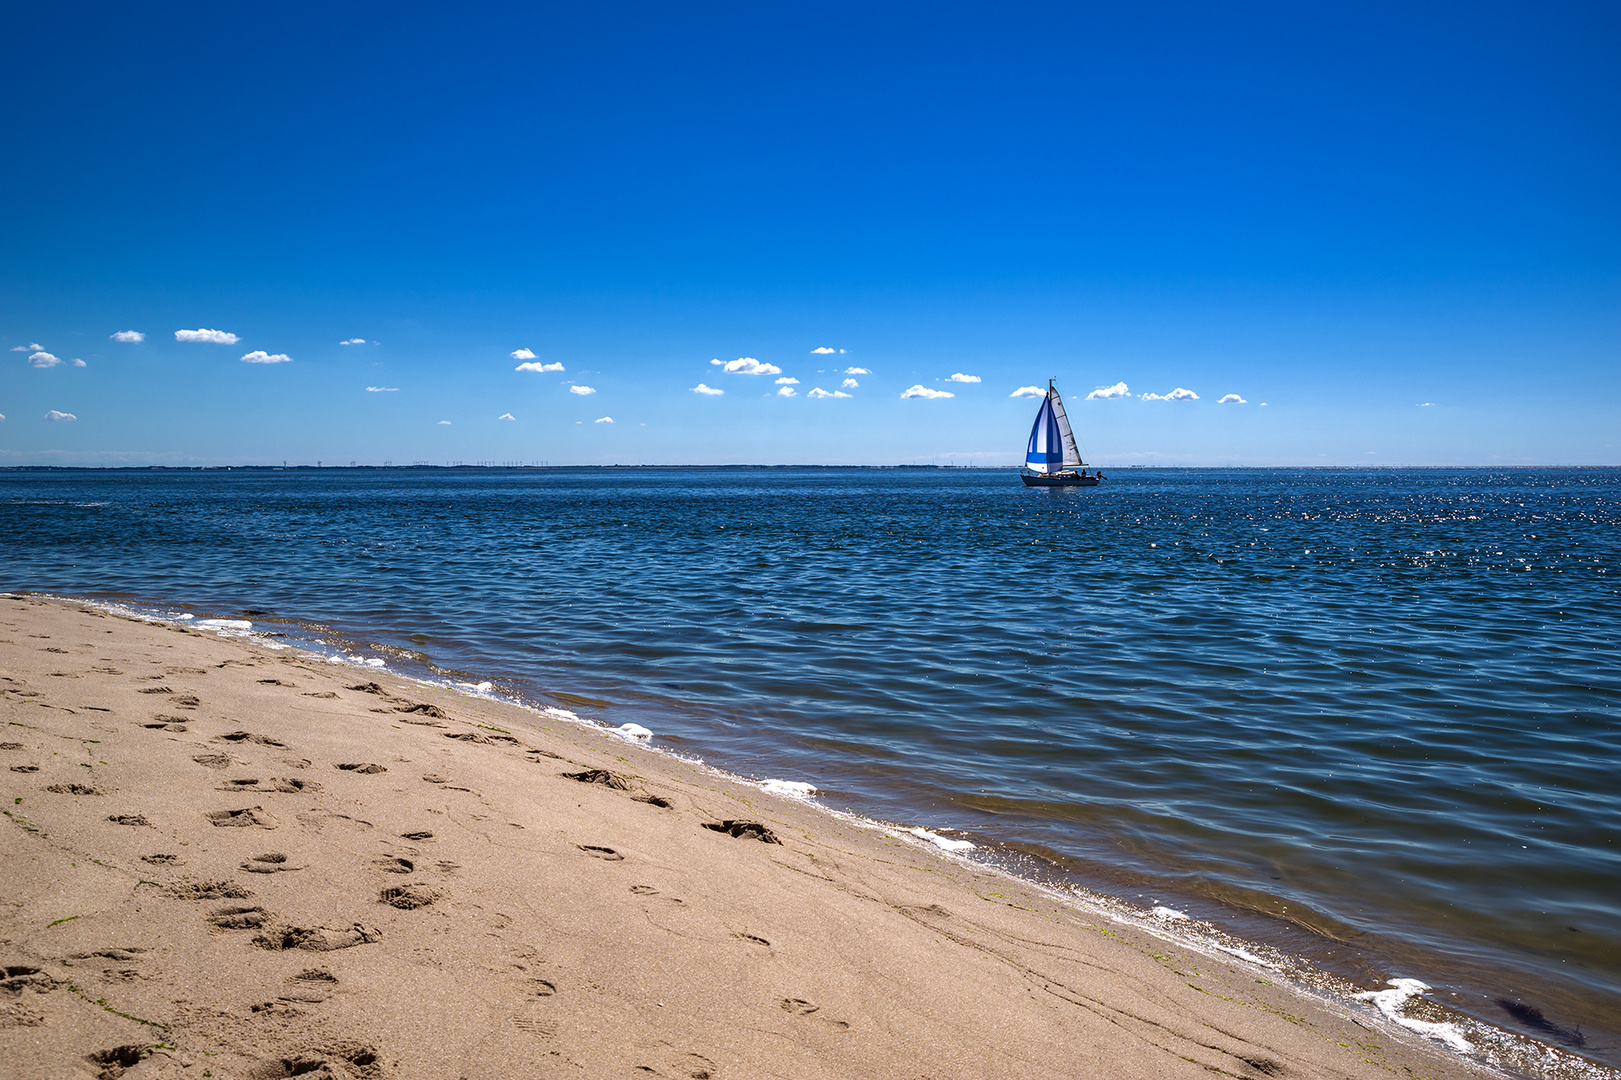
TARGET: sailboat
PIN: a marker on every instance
(1052, 459)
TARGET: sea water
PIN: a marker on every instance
(1370, 717)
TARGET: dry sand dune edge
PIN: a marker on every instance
(228, 862)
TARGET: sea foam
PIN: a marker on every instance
(223, 624)
(1390, 1002)
(945, 843)
(794, 789)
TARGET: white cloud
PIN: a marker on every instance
(960, 377)
(2, 416)
(506, 416)
(129, 336)
(444, 423)
(748, 365)
(1179, 394)
(1422, 404)
(211, 337)
(54, 415)
(787, 380)
(818, 392)
(382, 389)
(43, 359)
(1263, 404)
(786, 391)
(921, 391)
(583, 391)
(715, 362)
(603, 420)
(1104, 393)
(523, 354)
(538, 367)
(856, 370)
(76, 362)
(823, 351)
(32, 347)
(353, 341)
(1029, 391)
(709, 390)
(259, 356)
(1231, 399)
(849, 384)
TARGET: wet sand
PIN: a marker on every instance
(225, 861)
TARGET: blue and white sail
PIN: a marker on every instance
(1052, 443)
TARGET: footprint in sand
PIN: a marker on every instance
(208, 890)
(648, 890)
(247, 737)
(14, 977)
(394, 865)
(751, 829)
(314, 975)
(72, 789)
(408, 897)
(600, 776)
(269, 863)
(165, 725)
(607, 853)
(122, 955)
(361, 767)
(247, 817)
(238, 918)
(801, 1007)
(283, 785)
(317, 938)
(318, 819)
(337, 1059)
(129, 819)
(110, 1064)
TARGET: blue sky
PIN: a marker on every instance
(1394, 225)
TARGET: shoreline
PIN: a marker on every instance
(968, 938)
(1306, 946)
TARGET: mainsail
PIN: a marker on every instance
(1052, 444)
(1072, 454)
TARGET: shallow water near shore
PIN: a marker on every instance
(1371, 717)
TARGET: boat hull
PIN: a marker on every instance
(1060, 479)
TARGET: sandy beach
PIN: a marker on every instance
(226, 861)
